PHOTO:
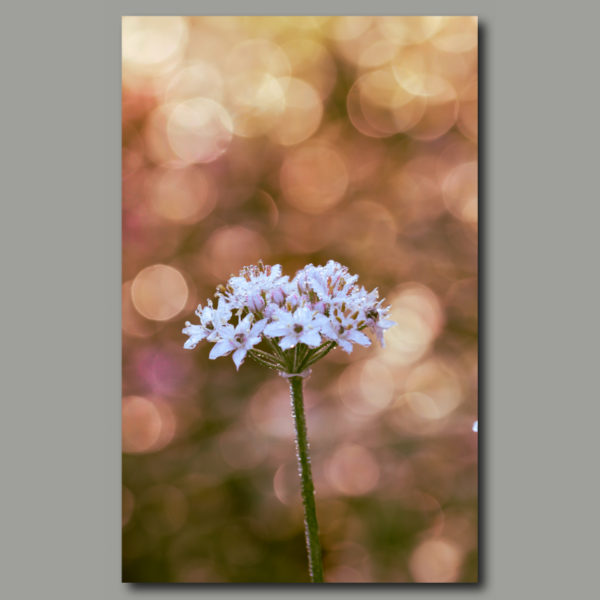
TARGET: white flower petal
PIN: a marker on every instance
(311, 338)
(238, 357)
(251, 342)
(221, 349)
(191, 343)
(328, 331)
(358, 337)
(276, 329)
(194, 330)
(258, 327)
(289, 341)
(345, 345)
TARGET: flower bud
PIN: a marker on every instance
(278, 296)
(255, 303)
(270, 311)
(303, 286)
(292, 302)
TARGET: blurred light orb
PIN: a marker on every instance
(312, 63)
(407, 108)
(436, 561)
(459, 34)
(156, 138)
(410, 30)
(376, 383)
(286, 484)
(131, 320)
(145, 426)
(197, 80)
(366, 387)
(468, 112)
(181, 195)
(418, 313)
(314, 178)
(378, 93)
(461, 192)
(159, 292)
(301, 116)
(306, 22)
(257, 99)
(356, 114)
(199, 130)
(377, 54)
(349, 28)
(367, 228)
(230, 248)
(442, 106)
(422, 405)
(150, 45)
(344, 574)
(433, 391)
(258, 55)
(353, 471)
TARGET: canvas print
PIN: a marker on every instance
(300, 299)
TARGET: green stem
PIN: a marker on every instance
(276, 349)
(267, 357)
(302, 353)
(308, 491)
(320, 352)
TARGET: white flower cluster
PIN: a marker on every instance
(300, 320)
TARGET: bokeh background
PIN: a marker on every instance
(298, 140)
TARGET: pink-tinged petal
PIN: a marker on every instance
(387, 324)
(221, 349)
(359, 338)
(345, 345)
(258, 327)
(289, 341)
(238, 357)
(276, 329)
(311, 338)
(320, 307)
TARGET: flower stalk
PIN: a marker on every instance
(311, 527)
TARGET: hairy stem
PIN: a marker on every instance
(267, 357)
(278, 351)
(262, 361)
(313, 545)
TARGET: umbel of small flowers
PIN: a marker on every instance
(299, 321)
